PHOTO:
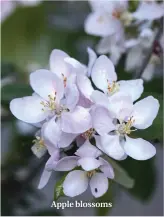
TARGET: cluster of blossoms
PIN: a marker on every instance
(123, 31)
(87, 108)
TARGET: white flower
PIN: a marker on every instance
(107, 17)
(128, 117)
(149, 10)
(77, 181)
(104, 77)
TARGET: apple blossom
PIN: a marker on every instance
(128, 118)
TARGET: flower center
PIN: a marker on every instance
(112, 88)
(50, 104)
(91, 173)
(88, 134)
(125, 128)
(64, 80)
(124, 16)
(116, 14)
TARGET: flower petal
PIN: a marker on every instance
(88, 150)
(57, 63)
(84, 85)
(103, 72)
(66, 139)
(51, 132)
(111, 146)
(145, 111)
(98, 184)
(100, 98)
(139, 149)
(28, 109)
(120, 105)
(52, 161)
(100, 24)
(44, 178)
(66, 163)
(45, 83)
(71, 96)
(149, 11)
(78, 67)
(75, 183)
(92, 59)
(132, 87)
(77, 121)
(89, 163)
(102, 122)
(106, 168)
(104, 45)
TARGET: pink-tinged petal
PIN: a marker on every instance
(84, 85)
(144, 112)
(44, 178)
(28, 109)
(89, 163)
(92, 59)
(46, 83)
(66, 163)
(134, 88)
(66, 139)
(149, 11)
(100, 98)
(120, 105)
(98, 184)
(57, 63)
(71, 96)
(103, 72)
(107, 168)
(53, 160)
(51, 132)
(100, 24)
(112, 147)
(77, 121)
(84, 102)
(139, 149)
(102, 121)
(88, 150)
(75, 183)
(77, 66)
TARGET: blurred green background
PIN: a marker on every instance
(28, 36)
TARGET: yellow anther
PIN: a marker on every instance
(91, 173)
(50, 104)
(38, 142)
(112, 88)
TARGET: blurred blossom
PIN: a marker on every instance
(8, 6)
(24, 128)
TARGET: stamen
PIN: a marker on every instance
(64, 80)
(39, 142)
(116, 14)
(91, 173)
(50, 104)
(88, 134)
(112, 88)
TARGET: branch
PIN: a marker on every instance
(147, 58)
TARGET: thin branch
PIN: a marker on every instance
(147, 58)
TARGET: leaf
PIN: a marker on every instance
(15, 90)
(121, 176)
(58, 191)
(144, 175)
(106, 198)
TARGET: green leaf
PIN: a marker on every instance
(58, 191)
(106, 198)
(121, 176)
(15, 90)
(144, 175)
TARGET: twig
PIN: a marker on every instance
(147, 58)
